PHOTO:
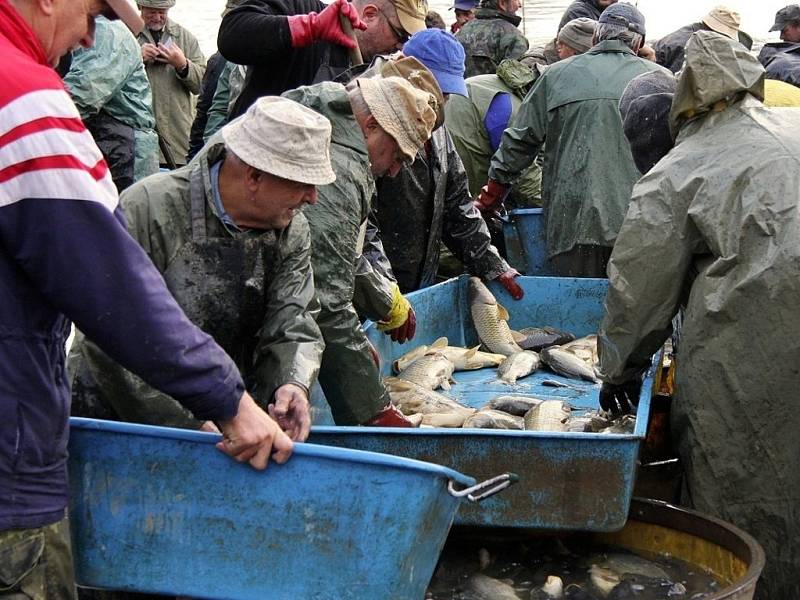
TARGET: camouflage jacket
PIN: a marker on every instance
(274, 338)
(488, 39)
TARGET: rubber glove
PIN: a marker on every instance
(621, 399)
(507, 281)
(401, 322)
(491, 196)
(389, 416)
(313, 27)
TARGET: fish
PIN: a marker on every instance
(630, 564)
(490, 320)
(413, 399)
(450, 419)
(568, 364)
(483, 587)
(518, 365)
(513, 405)
(553, 587)
(493, 419)
(561, 384)
(430, 371)
(626, 424)
(418, 352)
(470, 359)
(537, 338)
(603, 579)
(590, 422)
(550, 415)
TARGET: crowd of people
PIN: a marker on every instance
(218, 231)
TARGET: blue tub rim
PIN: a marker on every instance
(300, 448)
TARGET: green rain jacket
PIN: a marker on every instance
(338, 221)
(588, 168)
(715, 225)
(173, 95)
(270, 329)
(491, 37)
(465, 116)
(109, 79)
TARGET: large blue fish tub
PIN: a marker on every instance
(161, 510)
(568, 481)
(526, 241)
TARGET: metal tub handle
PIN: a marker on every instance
(483, 490)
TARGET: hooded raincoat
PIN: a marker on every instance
(715, 226)
(489, 38)
(109, 86)
(338, 221)
(173, 95)
(588, 168)
(252, 291)
(782, 61)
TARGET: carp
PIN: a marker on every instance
(470, 359)
(568, 364)
(493, 419)
(483, 587)
(418, 352)
(518, 365)
(550, 415)
(413, 399)
(513, 405)
(537, 338)
(431, 371)
(490, 320)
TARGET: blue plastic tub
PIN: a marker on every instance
(526, 241)
(568, 481)
(161, 510)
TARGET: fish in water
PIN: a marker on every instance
(550, 415)
(430, 371)
(470, 359)
(490, 319)
(418, 352)
(518, 365)
(537, 338)
(603, 579)
(568, 364)
(413, 399)
(513, 405)
(483, 587)
(493, 419)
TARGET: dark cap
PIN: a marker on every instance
(624, 15)
(464, 5)
(785, 16)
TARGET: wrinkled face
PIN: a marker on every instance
(603, 4)
(462, 16)
(67, 24)
(385, 157)
(791, 33)
(154, 18)
(276, 200)
(510, 6)
(384, 33)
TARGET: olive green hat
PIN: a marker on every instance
(156, 3)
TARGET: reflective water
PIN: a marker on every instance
(541, 17)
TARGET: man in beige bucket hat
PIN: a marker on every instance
(378, 124)
(670, 49)
(227, 234)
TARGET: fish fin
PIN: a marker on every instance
(472, 352)
(502, 313)
(397, 384)
(518, 337)
(440, 343)
(446, 384)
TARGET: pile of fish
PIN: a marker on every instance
(515, 355)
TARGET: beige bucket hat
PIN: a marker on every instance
(283, 138)
(418, 75)
(724, 20)
(411, 14)
(402, 110)
(156, 3)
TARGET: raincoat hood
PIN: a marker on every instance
(717, 72)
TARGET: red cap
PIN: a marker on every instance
(125, 12)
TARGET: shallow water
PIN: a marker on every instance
(541, 17)
(526, 566)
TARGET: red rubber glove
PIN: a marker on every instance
(507, 281)
(407, 330)
(313, 27)
(491, 196)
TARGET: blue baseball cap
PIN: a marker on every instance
(464, 5)
(625, 15)
(443, 55)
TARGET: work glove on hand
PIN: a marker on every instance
(507, 281)
(389, 416)
(324, 26)
(401, 322)
(621, 399)
(491, 196)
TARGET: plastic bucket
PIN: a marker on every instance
(526, 241)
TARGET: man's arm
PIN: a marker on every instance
(193, 81)
(649, 267)
(373, 294)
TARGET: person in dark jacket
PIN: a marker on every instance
(492, 36)
(781, 59)
(290, 43)
(429, 201)
(214, 67)
(465, 12)
(590, 9)
(669, 49)
(65, 255)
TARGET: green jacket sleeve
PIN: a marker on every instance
(218, 112)
(373, 294)
(649, 269)
(524, 137)
(290, 343)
